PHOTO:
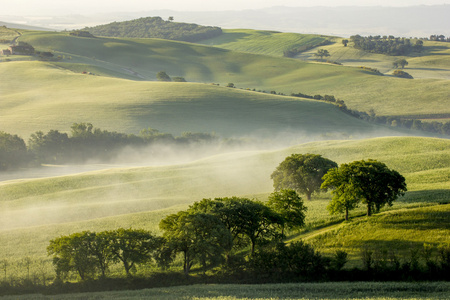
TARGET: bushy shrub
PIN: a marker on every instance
(402, 74)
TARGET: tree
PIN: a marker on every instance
(13, 151)
(369, 182)
(162, 76)
(200, 237)
(132, 246)
(302, 172)
(170, 19)
(345, 42)
(290, 206)
(322, 53)
(230, 85)
(343, 199)
(244, 218)
(72, 253)
(400, 62)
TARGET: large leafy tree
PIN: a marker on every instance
(13, 151)
(200, 237)
(245, 219)
(302, 173)
(133, 246)
(369, 182)
(290, 207)
(73, 253)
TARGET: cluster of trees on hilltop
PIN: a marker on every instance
(389, 45)
(439, 38)
(156, 27)
(86, 143)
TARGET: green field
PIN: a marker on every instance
(300, 291)
(119, 93)
(109, 57)
(433, 62)
(35, 211)
(40, 96)
(262, 42)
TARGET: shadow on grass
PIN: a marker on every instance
(440, 196)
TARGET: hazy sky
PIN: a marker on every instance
(52, 7)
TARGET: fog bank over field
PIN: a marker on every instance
(411, 21)
(168, 154)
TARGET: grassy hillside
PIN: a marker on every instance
(402, 231)
(34, 211)
(41, 96)
(143, 58)
(262, 42)
(433, 62)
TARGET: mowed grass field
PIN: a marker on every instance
(41, 96)
(35, 211)
(272, 43)
(143, 58)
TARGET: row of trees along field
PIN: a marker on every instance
(394, 121)
(389, 45)
(156, 27)
(238, 236)
(88, 143)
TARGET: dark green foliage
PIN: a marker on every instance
(200, 237)
(322, 53)
(178, 79)
(339, 260)
(400, 62)
(88, 143)
(402, 74)
(162, 76)
(369, 182)
(87, 253)
(296, 260)
(246, 220)
(132, 247)
(13, 152)
(82, 33)
(386, 45)
(294, 51)
(345, 42)
(156, 27)
(302, 173)
(290, 206)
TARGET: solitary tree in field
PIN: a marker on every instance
(290, 207)
(400, 62)
(302, 173)
(369, 182)
(322, 53)
(345, 42)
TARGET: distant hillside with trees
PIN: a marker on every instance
(389, 45)
(156, 27)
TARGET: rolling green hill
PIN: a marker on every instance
(263, 42)
(34, 211)
(143, 58)
(41, 96)
(433, 62)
